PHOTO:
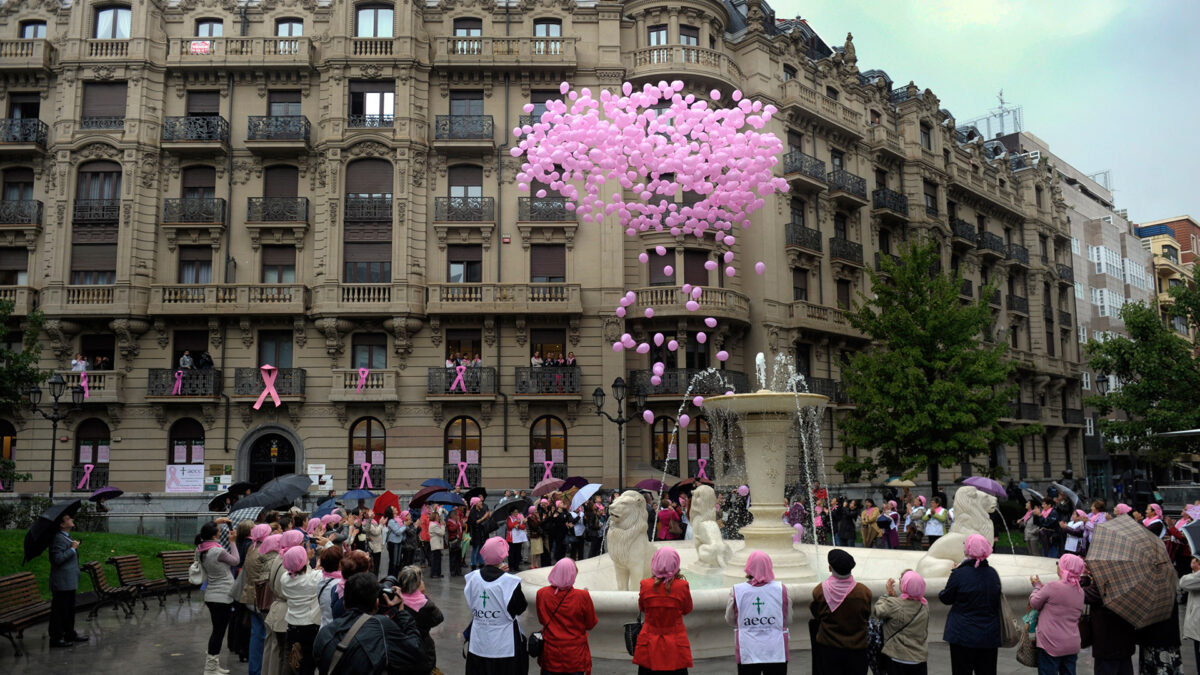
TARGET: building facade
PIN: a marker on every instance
(325, 188)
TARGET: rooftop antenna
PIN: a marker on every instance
(1004, 119)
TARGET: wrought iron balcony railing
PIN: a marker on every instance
(196, 129)
(537, 471)
(464, 127)
(473, 473)
(249, 381)
(277, 209)
(884, 198)
(368, 209)
(880, 257)
(549, 380)
(962, 229)
(1066, 273)
(24, 130)
(443, 381)
(354, 475)
(1019, 253)
(799, 235)
(371, 121)
(101, 122)
(993, 242)
(798, 162)
(464, 209)
(844, 249)
(96, 211)
(85, 480)
(22, 212)
(161, 382)
(994, 301)
(1048, 313)
(282, 128)
(1030, 411)
(840, 179)
(194, 210)
(1017, 303)
(1064, 317)
(544, 209)
(826, 387)
(1073, 415)
(678, 381)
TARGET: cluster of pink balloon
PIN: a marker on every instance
(655, 144)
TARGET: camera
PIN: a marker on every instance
(388, 588)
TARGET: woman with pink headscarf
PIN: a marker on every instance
(841, 608)
(1154, 521)
(566, 614)
(495, 645)
(662, 646)
(299, 587)
(761, 613)
(1059, 604)
(905, 617)
(973, 624)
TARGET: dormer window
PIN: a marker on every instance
(112, 23)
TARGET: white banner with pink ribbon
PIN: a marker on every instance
(185, 478)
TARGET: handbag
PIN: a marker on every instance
(196, 571)
(1085, 629)
(1027, 650)
(535, 642)
(674, 529)
(632, 631)
(1011, 630)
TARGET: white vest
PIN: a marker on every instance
(762, 635)
(491, 625)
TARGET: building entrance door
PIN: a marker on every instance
(271, 456)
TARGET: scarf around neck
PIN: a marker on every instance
(415, 600)
(206, 546)
(837, 589)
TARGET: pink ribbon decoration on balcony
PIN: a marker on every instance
(362, 378)
(269, 373)
(458, 379)
(703, 463)
(549, 465)
(83, 382)
(462, 474)
(366, 476)
(178, 383)
(85, 483)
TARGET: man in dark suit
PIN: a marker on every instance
(64, 580)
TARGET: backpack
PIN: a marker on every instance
(196, 571)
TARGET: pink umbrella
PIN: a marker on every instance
(987, 485)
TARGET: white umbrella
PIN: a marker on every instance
(585, 493)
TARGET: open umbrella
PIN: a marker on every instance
(546, 487)
(1076, 502)
(325, 508)
(475, 492)
(281, 491)
(438, 482)
(585, 493)
(500, 513)
(897, 481)
(447, 498)
(573, 482)
(45, 528)
(988, 485)
(1132, 571)
(106, 492)
(424, 493)
(355, 495)
(241, 487)
(686, 486)
(388, 498)
(245, 513)
(651, 484)
(218, 503)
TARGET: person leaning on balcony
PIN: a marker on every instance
(185, 361)
(536, 360)
(79, 363)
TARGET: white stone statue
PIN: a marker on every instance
(712, 553)
(628, 546)
(971, 509)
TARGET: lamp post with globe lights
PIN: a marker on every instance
(618, 393)
(58, 387)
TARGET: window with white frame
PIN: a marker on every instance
(1085, 380)
(1082, 334)
(1135, 275)
(1074, 246)
(1089, 426)
(1078, 290)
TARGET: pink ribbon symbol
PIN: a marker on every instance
(362, 378)
(83, 382)
(703, 463)
(458, 379)
(85, 483)
(178, 383)
(462, 473)
(366, 477)
(269, 373)
(172, 477)
(549, 465)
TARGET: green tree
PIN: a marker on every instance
(18, 370)
(928, 392)
(1157, 380)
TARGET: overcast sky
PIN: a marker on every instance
(1108, 84)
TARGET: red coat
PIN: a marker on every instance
(663, 643)
(566, 643)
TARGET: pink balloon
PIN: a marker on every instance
(643, 258)
(644, 348)
(566, 86)
(649, 312)
(617, 347)
(661, 250)
(721, 355)
(698, 401)
(621, 312)
(685, 420)
(715, 94)
(692, 305)
(648, 416)
(658, 339)
(655, 380)
(760, 267)
(743, 490)
(658, 368)
(701, 338)
(697, 292)
(729, 271)
(729, 240)
(728, 257)
(673, 345)
(687, 288)
(710, 322)
(668, 271)
(710, 265)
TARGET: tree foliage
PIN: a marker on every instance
(929, 391)
(18, 369)
(1158, 384)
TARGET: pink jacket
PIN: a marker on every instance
(1060, 605)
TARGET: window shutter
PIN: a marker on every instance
(466, 175)
(199, 177)
(468, 24)
(365, 87)
(548, 260)
(203, 102)
(14, 259)
(281, 181)
(195, 254)
(279, 255)
(369, 176)
(18, 175)
(464, 253)
(104, 99)
(693, 268)
(283, 97)
(367, 252)
(93, 257)
(369, 339)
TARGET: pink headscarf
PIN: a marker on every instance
(1072, 567)
(532, 509)
(475, 500)
(892, 504)
(921, 500)
(558, 504)
(912, 587)
(760, 569)
(664, 565)
(1157, 515)
(493, 551)
(313, 524)
(331, 519)
(289, 539)
(544, 502)
(1122, 509)
(977, 548)
(270, 544)
(295, 559)
(260, 532)
(1081, 514)
(562, 576)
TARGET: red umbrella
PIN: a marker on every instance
(418, 499)
(547, 486)
(651, 484)
(385, 500)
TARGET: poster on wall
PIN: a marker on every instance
(180, 454)
(184, 478)
(85, 453)
(454, 456)
(102, 454)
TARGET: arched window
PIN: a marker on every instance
(467, 32)
(92, 441)
(8, 442)
(548, 442)
(368, 451)
(112, 23)
(463, 443)
(186, 442)
(374, 21)
(662, 446)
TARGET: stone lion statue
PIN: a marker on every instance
(971, 509)
(711, 550)
(628, 546)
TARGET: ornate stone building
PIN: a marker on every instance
(325, 187)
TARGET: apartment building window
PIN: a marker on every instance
(547, 28)
(18, 184)
(368, 350)
(657, 35)
(1089, 426)
(797, 210)
(195, 264)
(840, 226)
(1083, 334)
(464, 264)
(466, 185)
(927, 137)
(876, 118)
(1043, 248)
(662, 445)
(468, 27)
(374, 21)
(112, 23)
(186, 442)
(789, 73)
(931, 197)
(881, 177)
(1015, 335)
(99, 180)
(199, 182)
(283, 103)
(539, 98)
(372, 104)
(696, 353)
(1050, 341)
(837, 159)
(92, 442)
(14, 266)
(832, 93)
(1037, 195)
(103, 105)
(367, 239)
(689, 36)
(368, 445)
(547, 441)
(795, 141)
(278, 264)
(1170, 253)
(25, 105)
(209, 28)
(203, 103)
(547, 264)
(466, 103)
(275, 348)
(193, 341)
(694, 272)
(289, 27)
(843, 294)
(462, 441)
(94, 263)
(885, 242)
(657, 276)
(1075, 246)
(33, 30)
(799, 283)
(464, 341)
(1085, 381)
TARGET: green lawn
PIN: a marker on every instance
(92, 546)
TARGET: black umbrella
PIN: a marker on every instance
(44, 529)
(447, 498)
(500, 513)
(424, 493)
(573, 482)
(106, 492)
(218, 503)
(686, 486)
(281, 491)
(475, 492)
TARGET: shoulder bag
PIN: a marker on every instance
(345, 643)
(535, 642)
(196, 571)
(264, 596)
(1085, 628)
(1010, 628)
(632, 631)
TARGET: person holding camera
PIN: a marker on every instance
(1059, 604)
(417, 603)
(374, 637)
(496, 645)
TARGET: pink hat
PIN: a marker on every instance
(977, 548)
(260, 532)
(295, 559)
(493, 551)
(760, 569)
(270, 544)
(290, 538)
(544, 502)
(664, 564)
(558, 504)
(1080, 513)
(532, 509)
(562, 576)
(921, 500)
(912, 587)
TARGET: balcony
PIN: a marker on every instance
(26, 56)
(992, 245)
(23, 298)
(826, 387)
(963, 232)
(537, 471)
(524, 54)
(889, 204)
(374, 479)
(206, 134)
(83, 480)
(847, 189)
(1029, 411)
(669, 302)
(371, 122)
(289, 383)
(886, 141)
(380, 386)
(1018, 253)
(200, 299)
(464, 209)
(812, 316)
(651, 64)
(283, 135)
(846, 251)
(804, 172)
(193, 211)
(101, 49)
(183, 386)
(102, 123)
(804, 101)
(1064, 318)
(104, 386)
(368, 210)
(248, 53)
(1048, 313)
(544, 210)
(1018, 304)
(693, 381)
(96, 211)
(549, 382)
(371, 49)
(278, 210)
(968, 289)
(503, 298)
(22, 136)
(880, 257)
(475, 381)
(473, 472)
(1065, 273)
(464, 133)
(1073, 416)
(20, 214)
(799, 236)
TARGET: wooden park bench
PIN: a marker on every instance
(21, 605)
(130, 572)
(106, 593)
(175, 571)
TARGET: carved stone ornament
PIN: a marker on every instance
(103, 72)
(372, 71)
(95, 151)
(369, 149)
(214, 333)
(164, 338)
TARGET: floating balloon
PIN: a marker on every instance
(728, 257)
(644, 348)
(760, 267)
(685, 420)
(660, 250)
(697, 292)
(648, 416)
(743, 490)
(658, 368)
(643, 257)
(621, 312)
(721, 355)
(710, 322)
(617, 346)
(701, 338)
(672, 345)
(649, 312)
(698, 401)
(658, 339)
(692, 305)
(668, 271)
(710, 265)
(729, 271)
(656, 380)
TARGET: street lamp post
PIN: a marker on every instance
(1102, 383)
(618, 392)
(58, 387)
